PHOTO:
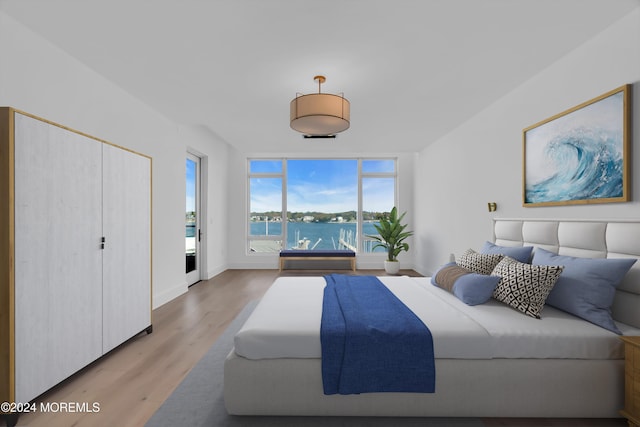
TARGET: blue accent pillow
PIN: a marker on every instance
(469, 287)
(519, 253)
(587, 286)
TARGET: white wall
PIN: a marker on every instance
(39, 78)
(238, 205)
(481, 161)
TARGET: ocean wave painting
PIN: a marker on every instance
(578, 156)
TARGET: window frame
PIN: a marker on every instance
(284, 208)
(282, 175)
(361, 236)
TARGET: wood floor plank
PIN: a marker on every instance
(131, 382)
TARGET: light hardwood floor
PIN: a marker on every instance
(131, 382)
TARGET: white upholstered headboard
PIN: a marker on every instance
(583, 238)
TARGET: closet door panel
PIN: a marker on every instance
(127, 252)
(58, 261)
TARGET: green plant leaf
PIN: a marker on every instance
(391, 234)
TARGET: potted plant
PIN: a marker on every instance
(391, 237)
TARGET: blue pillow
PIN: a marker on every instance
(469, 287)
(519, 253)
(587, 286)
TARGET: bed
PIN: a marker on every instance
(492, 361)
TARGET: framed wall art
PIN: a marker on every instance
(581, 155)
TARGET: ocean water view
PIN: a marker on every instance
(315, 235)
(303, 235)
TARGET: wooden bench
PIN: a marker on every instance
(317, 255)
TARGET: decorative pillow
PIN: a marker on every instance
(519, 253)
(587, 286)
(523, 286)
(479, 263)
(469, 287)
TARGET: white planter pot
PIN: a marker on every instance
(392, 267)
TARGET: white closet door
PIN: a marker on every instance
(58, 270)
(127, 251)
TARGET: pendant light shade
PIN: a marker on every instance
(319, 114)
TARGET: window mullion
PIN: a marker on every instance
(359, 241)
(285, 218)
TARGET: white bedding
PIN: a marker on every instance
(286, 324)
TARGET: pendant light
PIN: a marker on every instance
(319, 115)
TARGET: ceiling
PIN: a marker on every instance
(413, 70)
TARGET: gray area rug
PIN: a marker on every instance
(198, 401)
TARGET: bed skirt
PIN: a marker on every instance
(549, 388)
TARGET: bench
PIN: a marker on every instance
(317, 255)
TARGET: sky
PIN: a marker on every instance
(191, 186)
(323, 185)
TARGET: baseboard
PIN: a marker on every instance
(271, 264)
(215, 271)
(161, 298)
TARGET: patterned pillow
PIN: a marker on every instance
(479, 263)
(525, 287)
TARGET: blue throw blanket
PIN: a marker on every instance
(371, 341)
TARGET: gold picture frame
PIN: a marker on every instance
(581, 155)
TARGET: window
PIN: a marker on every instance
(313, 204)
(378, 179)
(266, 205)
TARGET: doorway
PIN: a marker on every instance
(193, 232)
